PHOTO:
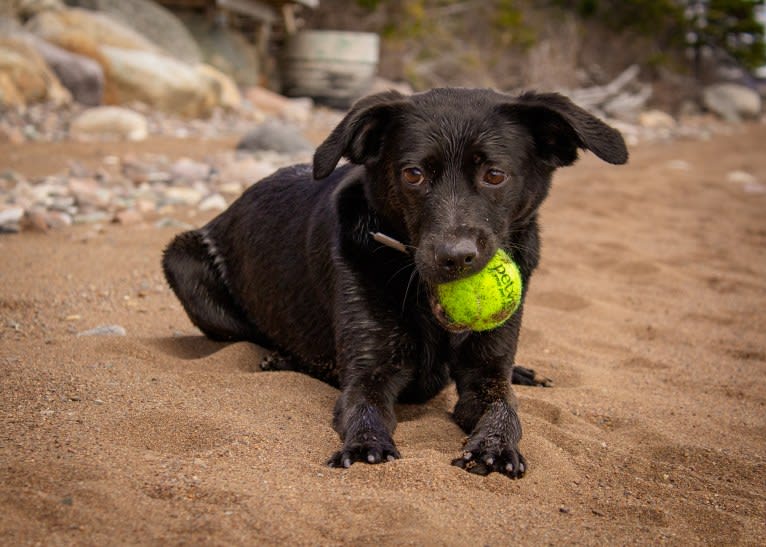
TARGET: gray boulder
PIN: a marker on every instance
(154, 22)
(82, 76)
(83, 30)
(276, 137)
(225, 49)
(732, 102)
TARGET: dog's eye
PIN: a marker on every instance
(494, 177)
(413, 175)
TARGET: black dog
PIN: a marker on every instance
(452, 174)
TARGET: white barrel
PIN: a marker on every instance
(333, 67)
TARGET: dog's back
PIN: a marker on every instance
(284, 226)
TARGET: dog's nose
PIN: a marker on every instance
(456, 256)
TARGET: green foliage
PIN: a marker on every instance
(509, 23)
(368, 4)
(412, 22)
(730, 25)
(645, 16)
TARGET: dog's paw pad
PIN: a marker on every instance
(510, 463)
(365, 454)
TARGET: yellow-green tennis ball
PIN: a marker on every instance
(484, 300)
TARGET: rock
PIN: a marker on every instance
(128, 217)
(732, 102)
(169, 222)
(36, 219)
(30, 8)
(656, 119)
(225, 48)
(82, 76)
(214, 202)
(266, 100)
(110, 121)
(689, 108)
(104, 330)
(91, 218)
(188, 170)
(10, 219)
(78, 29)
(750, 183)
(61, 203)
(741, 177)
(275, 136)
(245, 170)
(295, 110)
(233, 188)
(58, 220)
(146, 205)
(138, 171)
(154, 22)
(24, 76)
(299, 110)
(157, 80)
(228, 95)
(135, 68)
(183, 196)
(10, 96)
(754, 188)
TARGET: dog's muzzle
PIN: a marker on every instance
(436, 308)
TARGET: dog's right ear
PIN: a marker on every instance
(359, 135)
(559, 127)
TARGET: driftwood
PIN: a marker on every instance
(623, 97)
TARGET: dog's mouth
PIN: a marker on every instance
(441, 316)
(436, 308)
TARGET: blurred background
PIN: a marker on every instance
(293, 47)
(253, 84)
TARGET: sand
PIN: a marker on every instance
(648, 311)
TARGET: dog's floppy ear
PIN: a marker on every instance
(360, 134)
(559, 128)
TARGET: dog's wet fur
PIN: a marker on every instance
(454, 174)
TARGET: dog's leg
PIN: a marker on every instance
(371, 359)
(366, 424)
(197, 281)
(486, 409)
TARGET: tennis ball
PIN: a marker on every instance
(486, 299)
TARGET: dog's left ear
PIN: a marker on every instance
(559, 128)
(359, 135)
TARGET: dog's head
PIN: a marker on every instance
(453, 171)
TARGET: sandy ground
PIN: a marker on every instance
(648, 311)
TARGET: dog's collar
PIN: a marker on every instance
(390, 242)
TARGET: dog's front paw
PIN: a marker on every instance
(484, 460)
(367, 449)
(493, 445)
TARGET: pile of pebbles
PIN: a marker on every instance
(131, 190)
(49, 122)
